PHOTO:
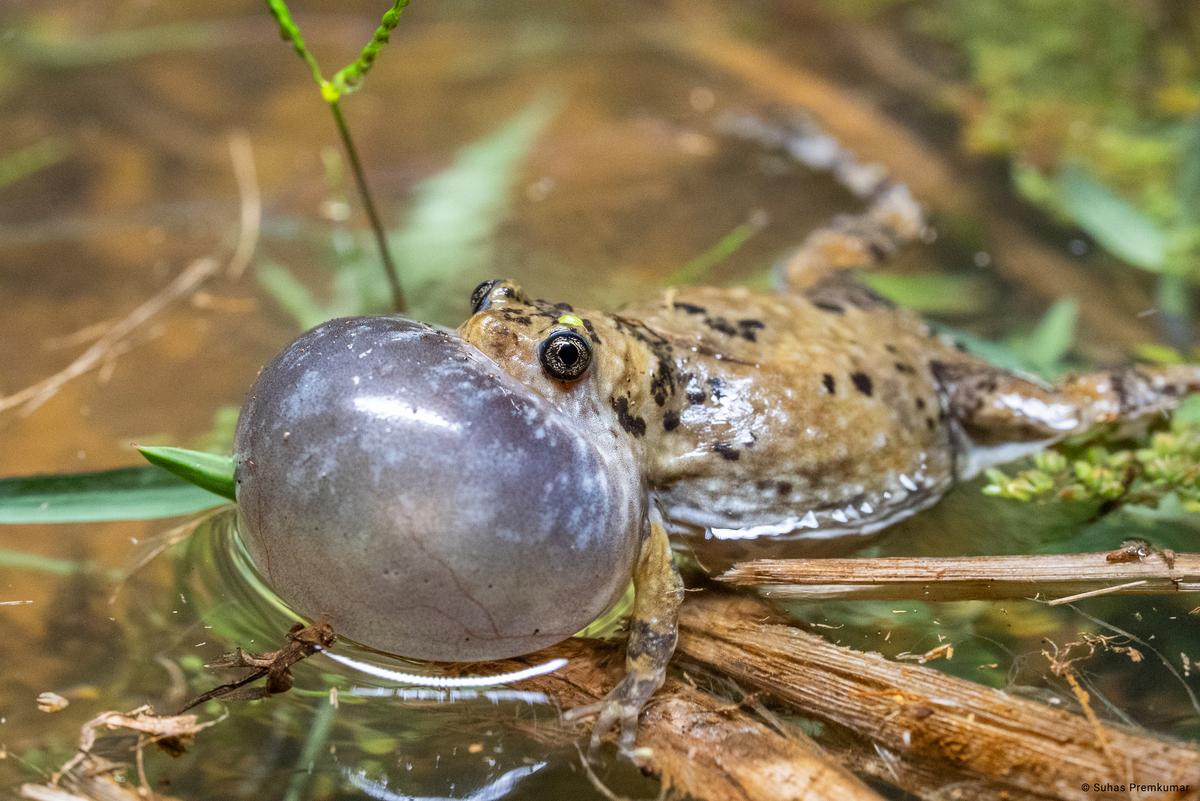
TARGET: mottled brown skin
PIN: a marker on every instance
(803, 415)
(746, 409)
(767, 422)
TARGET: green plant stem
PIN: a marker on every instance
(318, 737)
(347, 80)
(701, 265)
(360, 178)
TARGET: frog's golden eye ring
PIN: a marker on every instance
(565, 355)
(480, 295)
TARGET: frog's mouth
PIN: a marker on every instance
(394, 479)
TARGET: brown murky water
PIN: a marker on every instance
(626, 182)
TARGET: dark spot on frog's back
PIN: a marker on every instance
(862, 382)
(670, 420)
(837, 293)
(721, 325)
(749, 329)
(632, 425)
(689, 308)
(829, 384)
(727, 451)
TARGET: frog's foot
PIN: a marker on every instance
(620, 709)
(653, 632)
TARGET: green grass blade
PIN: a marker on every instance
(209, 471)
(930, 293)
(131, 493)
(1046, 346)
(293, 296)
(700, 266)
(31, 159)
(1112, 221)
(446, 243)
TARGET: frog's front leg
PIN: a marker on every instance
(653, 632)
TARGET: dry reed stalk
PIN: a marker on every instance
(922, 778)
(927, 716)
(699, 744)
(1063, 577)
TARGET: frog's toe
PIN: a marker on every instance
(619, 709)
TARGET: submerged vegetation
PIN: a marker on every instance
(1142, 472)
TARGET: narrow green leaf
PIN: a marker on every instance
(130, 493)
(21, 560)
(700, 266)
(1112, 221)
(447, 240)
(209, 471)
(293, 296)
(28, 160)
(999, 354)
(931, 293)
(1047, 345)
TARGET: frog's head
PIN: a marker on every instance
(393, 478)
(549, 347)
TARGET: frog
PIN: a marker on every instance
(559, 452)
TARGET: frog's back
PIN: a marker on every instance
(810, 415)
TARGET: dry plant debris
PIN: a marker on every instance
(113, 340)
(700, 745)
(276, 666)
(51, 702)
(90, 777)
(921, 714)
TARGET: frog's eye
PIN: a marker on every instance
(565, 355)
(480, 295)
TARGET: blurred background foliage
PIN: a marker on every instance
(1096, 106)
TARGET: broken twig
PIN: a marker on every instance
(1069, 576)
(276, 666)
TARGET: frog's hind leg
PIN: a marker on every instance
(1004, 416)
(891, 219)
(653, 632)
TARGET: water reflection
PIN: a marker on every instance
(499, 788)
